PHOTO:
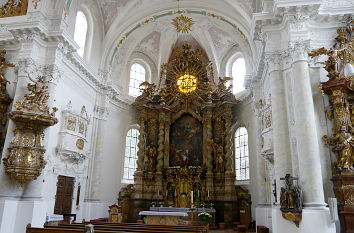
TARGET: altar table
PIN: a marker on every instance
(175, 216)
(163, 218)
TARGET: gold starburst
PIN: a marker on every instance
(183, 24)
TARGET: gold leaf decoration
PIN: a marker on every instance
(183, 24)
(13, 8)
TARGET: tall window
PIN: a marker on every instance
(131, 156)
(241, 154)
(137, 76)
(80, 32)
(238, 74)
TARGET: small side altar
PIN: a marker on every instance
(175, 216)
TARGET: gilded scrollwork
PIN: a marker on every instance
(5, 99)
(339, 88)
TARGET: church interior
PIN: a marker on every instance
(176, 115)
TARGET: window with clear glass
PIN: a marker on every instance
(80, 32)
(137, 76)
(241, 154)
(131, 154)
(238, 74)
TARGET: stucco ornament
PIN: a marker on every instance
(183, 24)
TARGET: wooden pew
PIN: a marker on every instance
(82, 230)
(156, 228)
(201, 228)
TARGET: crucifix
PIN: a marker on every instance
(289, 179)
(275, 191)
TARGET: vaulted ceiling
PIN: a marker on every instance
(144, 26)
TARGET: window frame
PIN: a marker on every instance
(232, 75)
(130, 78)
(247, 157)
(87, 32)
(124, 179)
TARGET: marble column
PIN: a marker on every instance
(281, 142)
(307, 141)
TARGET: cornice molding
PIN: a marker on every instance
(66, 48)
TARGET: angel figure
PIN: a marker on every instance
(3, 66)
(39, 91)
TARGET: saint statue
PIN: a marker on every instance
(218, 156)
(149, 158)
(346, 147)
(185, 159)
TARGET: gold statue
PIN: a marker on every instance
(149, 158)
(345, 146)
(37, 98)
(148, 91)
(221, 88)
(218, 156)
(3, 66)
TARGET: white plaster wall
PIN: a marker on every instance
(71, 87)
(117, 125)
(246, 117)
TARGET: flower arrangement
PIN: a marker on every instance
(204, 216)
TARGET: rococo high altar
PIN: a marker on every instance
(185, 151)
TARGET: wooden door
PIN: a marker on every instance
(63, 201)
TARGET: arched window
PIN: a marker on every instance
(137, 76)
(241, 154)
(238, 74)
(131, 156)
(80, 32)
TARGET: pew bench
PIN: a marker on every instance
(137, 228)
(145, 226)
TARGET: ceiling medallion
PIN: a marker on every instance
(183, 24)
(187, 83)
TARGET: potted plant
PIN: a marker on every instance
(204, 216)
(220, 208)
(142, 205)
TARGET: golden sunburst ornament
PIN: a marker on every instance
(187, 83)
(183, 24)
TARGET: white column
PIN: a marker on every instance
(282, 154)
(307, 141)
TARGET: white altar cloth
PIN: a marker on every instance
(157, 213)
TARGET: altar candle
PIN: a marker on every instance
(191, 197)
(158, 192)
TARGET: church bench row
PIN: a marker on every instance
(201, 228)
(137, 228)
(82, 230)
